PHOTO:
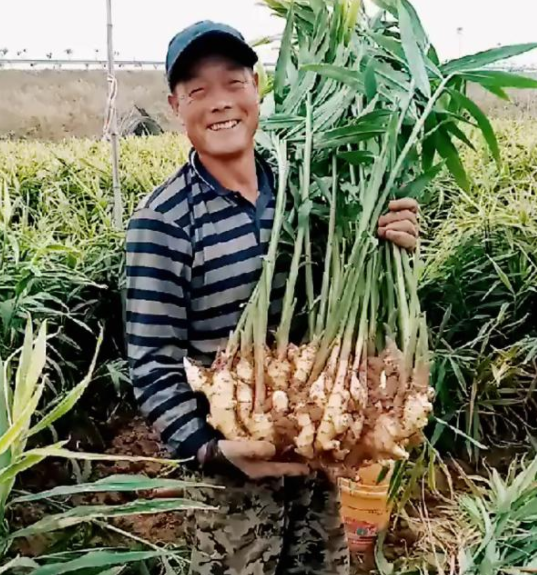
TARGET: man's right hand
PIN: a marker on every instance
(252, 458)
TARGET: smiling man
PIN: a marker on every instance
(194, 254)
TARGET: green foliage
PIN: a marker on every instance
(61, 259)
(21, 389)
(19, 401)
(504, 516)
(479, 288)
(395, 116)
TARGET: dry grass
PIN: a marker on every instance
(523, 103)
(55, 104)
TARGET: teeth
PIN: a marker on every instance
(224, 125)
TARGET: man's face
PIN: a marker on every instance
(219, 106)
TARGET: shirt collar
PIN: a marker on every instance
(265, 177)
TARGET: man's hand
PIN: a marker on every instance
(251, 458)
(400, 224)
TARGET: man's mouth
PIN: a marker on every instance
(223, 125)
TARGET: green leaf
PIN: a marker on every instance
(281, 122)
(304, 213)
(120, 569)
(54, 451)
(433, 55)
(416, 187)
(94, 559)
(301, 88)
(393, 47)
(461, 433)
(21, 424)
(449, 152)
(339, 73)
(18, 563)
(482, 121)
(284, 56)
(388, 5)
(482, 59)
(265, 83)
(417, 26)
(358, 157)
(428, 153)
(413, 53)
(5, 458)
(503, 501)
(86, 513)
(363, 128)
(37, 364)
(370, 81)
(351, 135)
(498, 92)
(317, 5)
(24, 462)
(112, 484)
(525, 480)
(496, 79)
(69, 401)
(22, 370)
(397, 83)
(383, 565)
(452, 128)
(504, 278)
(351, 18)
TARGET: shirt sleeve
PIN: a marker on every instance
(159, 256)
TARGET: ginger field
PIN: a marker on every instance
(464, 501)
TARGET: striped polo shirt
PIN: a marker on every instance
(194, 255)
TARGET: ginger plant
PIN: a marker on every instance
(360, 109)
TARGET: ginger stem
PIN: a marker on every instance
(261, 307)
(289, 301)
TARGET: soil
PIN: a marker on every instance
(137, 438)
(129, 434)
(132, 436)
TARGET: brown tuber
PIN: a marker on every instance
(356, 410)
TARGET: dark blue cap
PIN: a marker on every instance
(205, 38)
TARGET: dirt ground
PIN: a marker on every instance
(132, 436)
(138, 439)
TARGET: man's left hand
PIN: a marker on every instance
(400, 224)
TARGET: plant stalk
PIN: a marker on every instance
(261, 309)
(289, 300)
(323, 306)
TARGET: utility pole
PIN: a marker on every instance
(460, 32)
(111, 125)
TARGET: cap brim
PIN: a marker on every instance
(209, 43)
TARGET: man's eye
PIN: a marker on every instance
(236, 82)
(195, 92)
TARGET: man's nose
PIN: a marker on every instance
(221, 101)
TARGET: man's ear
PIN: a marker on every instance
(256, 82)
(173, 101)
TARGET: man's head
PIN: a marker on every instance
(214, 88)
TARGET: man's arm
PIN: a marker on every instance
(159, 258)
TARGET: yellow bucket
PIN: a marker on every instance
(364, 507)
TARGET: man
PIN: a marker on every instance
(194, 253)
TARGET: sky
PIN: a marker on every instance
(143, 28)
